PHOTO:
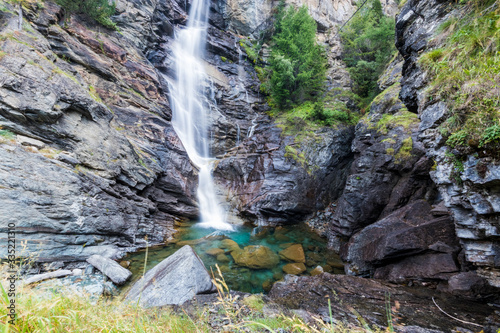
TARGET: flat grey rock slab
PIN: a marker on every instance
(46, 276)
(25, 141)
(175, 280)
(118, 274)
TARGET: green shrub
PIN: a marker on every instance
(98, 10)
(368, 41)
(297, 62)
(491, 134)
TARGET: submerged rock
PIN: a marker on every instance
(175, 280)
(214, 251)
(230, 245)
(256, 256)
(118, 274)
(294, 253)
(294, 268)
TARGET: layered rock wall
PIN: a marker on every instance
(474, 199)
(94, 165)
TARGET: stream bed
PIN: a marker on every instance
(291, 248)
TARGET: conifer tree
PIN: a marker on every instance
(297, 62)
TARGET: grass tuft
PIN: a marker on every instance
(465, 72)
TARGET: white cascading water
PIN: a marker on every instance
(190, 116)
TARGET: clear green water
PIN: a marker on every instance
(237, 277)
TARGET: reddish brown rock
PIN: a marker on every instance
(294, 253)
(294, 268)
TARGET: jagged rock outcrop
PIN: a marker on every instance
(390, 168)
(381, 224)
(474, 198)
(410, 243)
(111, 170)
(270, 182)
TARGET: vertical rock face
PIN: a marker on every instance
(390, 168)
(268, 184)
(474, 199)
(111, 170)
(249, 17)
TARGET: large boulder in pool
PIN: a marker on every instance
(256, 256)
(175, 280)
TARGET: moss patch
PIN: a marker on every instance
(403, 119)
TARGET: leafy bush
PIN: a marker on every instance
(297, 62)
(98, 10)
(329, 117)
(368, 41)
(491, 134)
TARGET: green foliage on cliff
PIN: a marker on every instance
(297, 62)
(465, 73)
(98, 10)
(368, 41)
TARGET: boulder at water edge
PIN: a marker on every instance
(118, 274)
(175, 280)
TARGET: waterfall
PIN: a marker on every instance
(190, 116)
(252, 128)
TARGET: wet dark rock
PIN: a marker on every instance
(470, 284)
(409, 231)
(118, 274)
(432, 266)
(175, 280)
(390, 168)
(267, 187)
(410, 306)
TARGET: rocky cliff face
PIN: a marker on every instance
(400, 159)
(271, 179)
(383, 224)
(94, 165)
(474, 199)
